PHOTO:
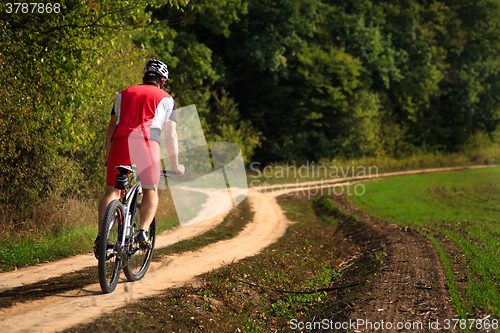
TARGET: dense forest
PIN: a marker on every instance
(287, 80)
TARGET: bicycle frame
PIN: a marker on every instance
(129, 207)
(120, 248)
(129, 201)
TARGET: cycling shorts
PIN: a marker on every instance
(128, 151)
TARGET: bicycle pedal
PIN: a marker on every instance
(143, 240)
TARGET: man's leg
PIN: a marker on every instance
(148, 207)
(110, 195)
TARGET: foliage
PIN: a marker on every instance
(322, 79)
(286, 80)
(55, 98)
(194, 77)
(432, 66)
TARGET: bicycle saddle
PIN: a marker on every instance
(123, 168)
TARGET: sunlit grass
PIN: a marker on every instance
(63, 228)
(460, 206)
(36, 248)
(282, 173)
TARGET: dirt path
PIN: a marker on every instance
(29, 275)
(82, 305)
(416, 287)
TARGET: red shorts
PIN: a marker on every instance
(128, 151)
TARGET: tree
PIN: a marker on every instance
(54, 103)
(185, 39)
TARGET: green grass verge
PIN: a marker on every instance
(457, 211)
(32, 249)
(192, 202)
(283, 173)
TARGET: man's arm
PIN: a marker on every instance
(172, 146)
(109, 133)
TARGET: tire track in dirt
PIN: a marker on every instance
(409, 290)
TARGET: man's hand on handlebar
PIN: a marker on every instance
(180, 169)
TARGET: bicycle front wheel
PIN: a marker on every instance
(139, 259)
(109, 247)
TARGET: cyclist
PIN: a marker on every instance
(133, 136)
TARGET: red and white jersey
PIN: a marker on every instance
(144, 106)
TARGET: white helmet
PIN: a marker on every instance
(156, 68)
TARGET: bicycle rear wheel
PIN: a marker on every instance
(139, 259)
(109, 246)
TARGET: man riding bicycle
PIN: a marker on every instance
(133, 136)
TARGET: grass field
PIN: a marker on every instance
(459, 211)
(265, 175)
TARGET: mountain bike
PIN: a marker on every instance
(118, 246)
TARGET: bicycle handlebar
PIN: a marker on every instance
(168, 172)
(163, 172)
